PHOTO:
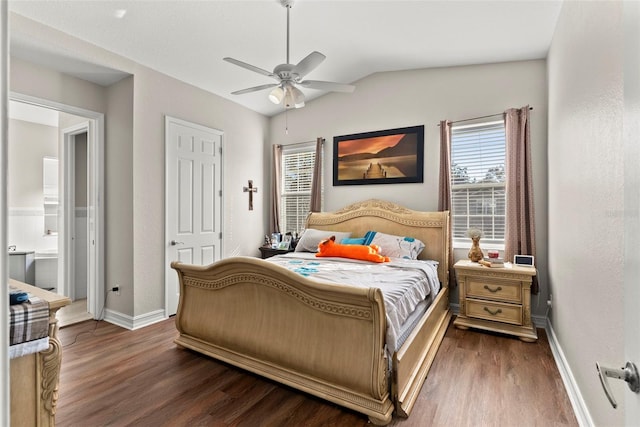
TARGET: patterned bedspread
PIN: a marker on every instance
(404, 283)
(28, 321)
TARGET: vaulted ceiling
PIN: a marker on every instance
(188, 39)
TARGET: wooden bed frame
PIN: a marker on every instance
(323, 339)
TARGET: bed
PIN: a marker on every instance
(318, 337)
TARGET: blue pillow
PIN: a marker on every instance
(368, 238)
(353, 241)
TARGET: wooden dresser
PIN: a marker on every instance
(496, 299)
(35, 377)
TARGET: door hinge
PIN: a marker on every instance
(219, 193)
(220, 235)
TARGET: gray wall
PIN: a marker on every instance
(424, 97)
(118, 159)
(134, 160)
(586, 196)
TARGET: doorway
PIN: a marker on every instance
(79, 228)
(74, 266)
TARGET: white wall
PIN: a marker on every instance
(424, 97)
(586, 197)
(29, 143)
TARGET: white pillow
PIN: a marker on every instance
(396, 246)
(312, 237)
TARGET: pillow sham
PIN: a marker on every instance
(311, 238)
(395, 246)
(353, 241)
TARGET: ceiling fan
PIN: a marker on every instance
(289, 76)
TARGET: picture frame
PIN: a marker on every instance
(284, 245)
(392, 156)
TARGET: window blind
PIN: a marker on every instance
(478, 180)
(297, 175)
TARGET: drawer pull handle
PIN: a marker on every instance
(498, 289)
(493, 313)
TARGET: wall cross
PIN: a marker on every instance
(250, 189)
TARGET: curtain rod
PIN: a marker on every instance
(299, 143)
(480, 117)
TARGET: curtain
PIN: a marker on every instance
(274, 217)
(444, 192)
(520, 226)
(316, 183)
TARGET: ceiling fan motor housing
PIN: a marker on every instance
(284, 72)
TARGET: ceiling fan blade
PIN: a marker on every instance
(250, 67)
(254, 89)
(308, 64)
(330, 86)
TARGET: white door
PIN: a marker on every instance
(193, 195)
(631, 127)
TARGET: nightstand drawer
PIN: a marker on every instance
(505, 313)
(500, 291)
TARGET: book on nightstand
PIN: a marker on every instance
(492, 262)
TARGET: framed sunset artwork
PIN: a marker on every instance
(392, 156)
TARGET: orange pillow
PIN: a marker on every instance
(329, 248)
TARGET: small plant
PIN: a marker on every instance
(474, 233)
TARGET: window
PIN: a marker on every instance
(297, 175)
(478, 181)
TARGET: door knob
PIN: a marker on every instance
(173, 243)
(629, 374)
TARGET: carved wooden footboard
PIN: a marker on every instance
(324, 339)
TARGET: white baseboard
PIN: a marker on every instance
(577, 402)
(136, 322)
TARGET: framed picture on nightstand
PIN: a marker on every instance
(285, 244)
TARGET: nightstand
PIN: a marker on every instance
(496, 299)
(267, 252)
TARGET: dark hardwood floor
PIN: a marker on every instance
(116, 377)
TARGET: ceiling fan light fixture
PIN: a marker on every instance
(276, 95)
(293, 97)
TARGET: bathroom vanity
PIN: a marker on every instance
(22, 266)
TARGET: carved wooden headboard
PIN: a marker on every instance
(432, 228)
